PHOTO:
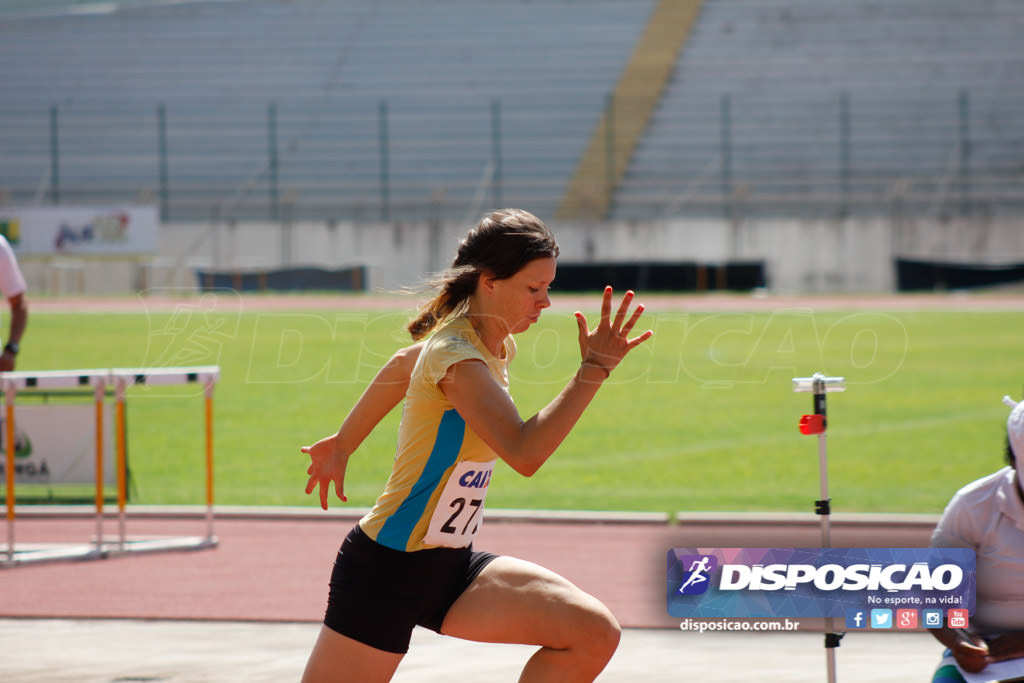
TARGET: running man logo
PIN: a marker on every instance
(198, 331)
(696, 579)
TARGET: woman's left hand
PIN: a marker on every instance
(607, 344)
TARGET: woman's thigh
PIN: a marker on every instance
(515, 601)
(340, 659)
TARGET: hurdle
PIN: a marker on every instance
(100, 380)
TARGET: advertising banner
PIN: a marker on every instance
(56, 444)
(81, 230)
(879, 584)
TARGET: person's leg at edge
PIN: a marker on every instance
(947, 674)
(515, 601)
(337, 659)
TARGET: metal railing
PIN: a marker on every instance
(269, 165)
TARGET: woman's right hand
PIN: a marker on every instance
(327, 465)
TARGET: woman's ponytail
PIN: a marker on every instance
(500, 244)
(457, 284)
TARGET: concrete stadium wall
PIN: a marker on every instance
(801, 256)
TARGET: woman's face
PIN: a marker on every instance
(520, 299)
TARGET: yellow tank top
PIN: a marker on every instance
(423, 505)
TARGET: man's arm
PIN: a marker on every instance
(970, 652)
(19, 320)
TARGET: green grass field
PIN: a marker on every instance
(701, 418)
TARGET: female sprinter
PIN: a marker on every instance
(410, 560)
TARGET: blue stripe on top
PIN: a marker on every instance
(398, 527)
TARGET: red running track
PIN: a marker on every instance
(276, 568)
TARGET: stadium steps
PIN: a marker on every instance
(625, 117)
(781, 68)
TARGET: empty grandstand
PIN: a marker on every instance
(382, 110)
(359, 109)
(824, 144)
(824, 107)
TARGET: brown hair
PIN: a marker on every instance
(501, 243)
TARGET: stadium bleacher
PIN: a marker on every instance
(439, 86)
(388, 110)
(834, 105)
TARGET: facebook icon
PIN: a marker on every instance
(856, 618)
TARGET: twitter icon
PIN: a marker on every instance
(881, 618)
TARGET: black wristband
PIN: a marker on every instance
(11, 347)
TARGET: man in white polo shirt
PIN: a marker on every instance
(987, 516)
(12, 284)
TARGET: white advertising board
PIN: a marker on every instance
(56, 444)
(82, 230)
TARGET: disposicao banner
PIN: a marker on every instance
(822, 582)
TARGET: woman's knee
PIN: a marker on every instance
(596, 630)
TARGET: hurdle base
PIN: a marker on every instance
(37, 553)
(31, 553)
(155, 545)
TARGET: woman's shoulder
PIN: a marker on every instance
(450, 344)
(452, 337)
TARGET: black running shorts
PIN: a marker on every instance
(379, 594)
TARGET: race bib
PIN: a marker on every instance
(460, 509)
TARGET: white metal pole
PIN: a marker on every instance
(831, 638)
(817, 423)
